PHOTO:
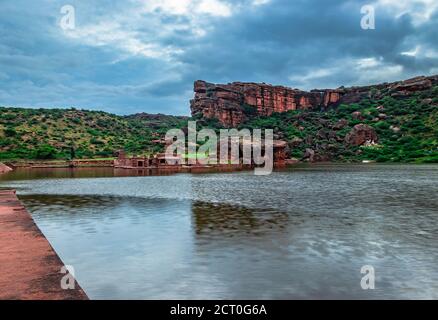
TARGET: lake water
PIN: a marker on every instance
(300, 233)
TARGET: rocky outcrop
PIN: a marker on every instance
(309, 155)
(414, 84)
(341, 124)
(361, 134)
(233, 103)
(4, 168)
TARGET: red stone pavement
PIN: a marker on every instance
(30, 269)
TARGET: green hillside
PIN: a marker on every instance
(66, 133)
(407, 129)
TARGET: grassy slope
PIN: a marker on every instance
(57, 133)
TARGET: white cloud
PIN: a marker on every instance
(189, 7)
(115, 35)
(363, 71)
(214, 7)
(139, 28)
(380, 74)
(412, 53)
(373, 70)
(177, 7)
(260, 2)
(420, 10)
(367, 63)
(312, 75)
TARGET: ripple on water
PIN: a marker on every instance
(300, 233)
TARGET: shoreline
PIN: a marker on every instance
(109, 163)
(31, 268)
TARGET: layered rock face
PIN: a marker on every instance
(233, 103)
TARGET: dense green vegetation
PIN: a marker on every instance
(71, 133)
(407, 129)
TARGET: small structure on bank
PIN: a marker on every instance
(157, 161)
(160, 160)
(279, 153)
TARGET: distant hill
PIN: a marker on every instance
(63, 133)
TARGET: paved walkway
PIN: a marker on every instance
(29, 266)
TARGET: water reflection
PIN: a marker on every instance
(57, 173)
(99, 172)
(223, 220)
(301, 233)
(24, 173)
(211, 219)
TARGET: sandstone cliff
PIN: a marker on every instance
(233, 103)
(236, 102)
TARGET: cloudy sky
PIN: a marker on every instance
(132, 56)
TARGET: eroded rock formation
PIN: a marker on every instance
(233, 103)
(4, 168)
(361, 134)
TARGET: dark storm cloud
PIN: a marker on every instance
(134, 56)
(287, 39)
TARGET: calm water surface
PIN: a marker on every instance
(301, 233)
